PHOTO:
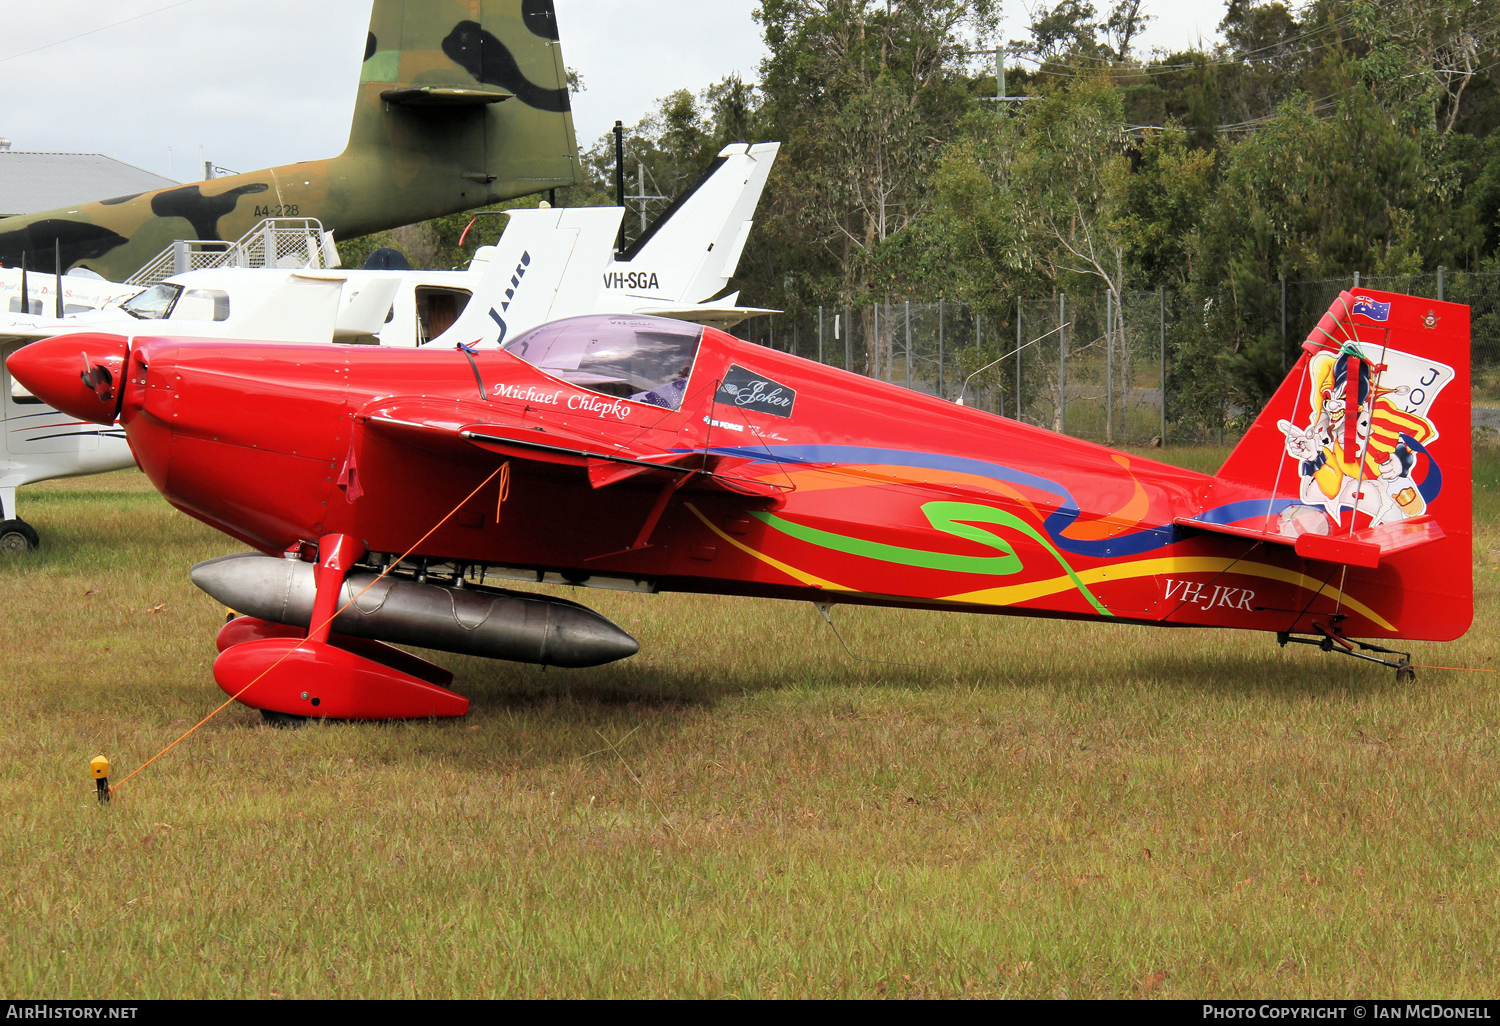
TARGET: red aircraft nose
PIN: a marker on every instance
(80, 375)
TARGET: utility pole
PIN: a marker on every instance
(620, 180)
(1000, 92)
(640, 195)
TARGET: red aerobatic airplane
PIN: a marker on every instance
(656, 455)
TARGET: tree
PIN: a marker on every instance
(864, 95)
(1127, 19)
(1425, 55)
(1067, 30)
(1164, 200)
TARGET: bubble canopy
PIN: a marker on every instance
(646, 359)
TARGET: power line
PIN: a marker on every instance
(90, 32)
(1241, 59)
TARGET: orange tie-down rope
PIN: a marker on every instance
(504, 467)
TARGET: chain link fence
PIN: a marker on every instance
(1095, 368)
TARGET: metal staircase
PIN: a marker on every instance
(290, 243)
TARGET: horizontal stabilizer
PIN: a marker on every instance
(721, 317)
(433, 96)
(1365, 548)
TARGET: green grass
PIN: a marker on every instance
(1040, 809)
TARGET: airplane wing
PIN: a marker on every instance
(20, 332)
(366, 310)
(476, 432)
(304, 309)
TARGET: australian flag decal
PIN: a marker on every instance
(1371, 309)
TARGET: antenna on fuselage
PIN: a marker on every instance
(25, 295)
(57, 268)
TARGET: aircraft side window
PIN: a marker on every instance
(645, 359)
(153, 304)
(202, 305)
(76, 308)
(34, 306)
(19, 394)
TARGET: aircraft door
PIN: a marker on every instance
(437, 309)
(34, 428)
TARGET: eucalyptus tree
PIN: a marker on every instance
(864, 93)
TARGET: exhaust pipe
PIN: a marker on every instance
(509, 625)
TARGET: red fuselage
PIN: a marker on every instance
(849, 490)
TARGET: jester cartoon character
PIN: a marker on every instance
(1355, 452)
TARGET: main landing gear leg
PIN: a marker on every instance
(16, 535)
(273, 668)
(1329, 642)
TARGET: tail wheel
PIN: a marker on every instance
(17, 536)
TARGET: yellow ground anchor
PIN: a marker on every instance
(99, 767)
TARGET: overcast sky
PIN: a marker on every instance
(256, 83)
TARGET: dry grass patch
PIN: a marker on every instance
(1042, 809)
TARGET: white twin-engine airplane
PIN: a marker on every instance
(549, 264)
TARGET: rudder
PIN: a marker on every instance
(477, 111)
(1395, 476)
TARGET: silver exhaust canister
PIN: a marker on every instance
(509, 625)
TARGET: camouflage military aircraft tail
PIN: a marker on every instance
(462, 103)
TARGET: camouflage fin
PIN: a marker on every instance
(461, 104)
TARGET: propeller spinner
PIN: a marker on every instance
(49, 368)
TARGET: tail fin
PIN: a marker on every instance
(691, 251)
(456, 112)
(545, 267)
(461, 104)
(1365, 490)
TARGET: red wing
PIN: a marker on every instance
(456, 430)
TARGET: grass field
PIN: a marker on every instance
(1041, 809)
